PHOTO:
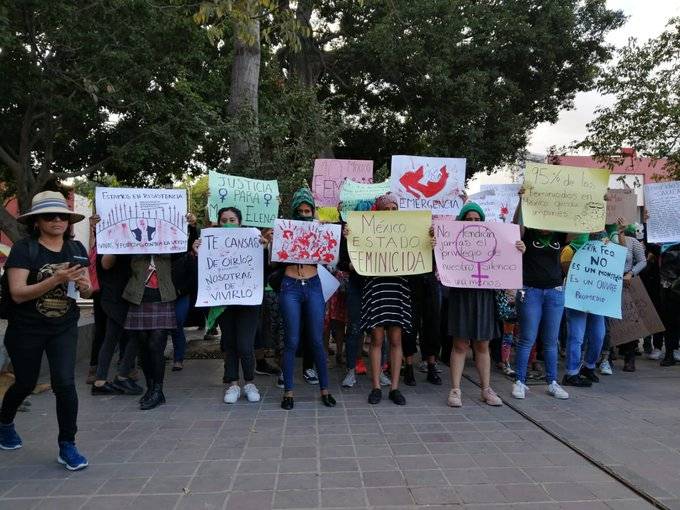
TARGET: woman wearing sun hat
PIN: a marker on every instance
(43, 276)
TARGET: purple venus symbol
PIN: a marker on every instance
(476, 244)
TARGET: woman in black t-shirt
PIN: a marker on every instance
(44, 274)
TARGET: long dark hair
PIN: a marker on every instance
(235, 210)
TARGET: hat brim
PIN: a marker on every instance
(73, 217)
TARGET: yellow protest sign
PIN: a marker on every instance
(328, 214)
(564, 198)
(390, 243)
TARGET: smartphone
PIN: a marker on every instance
(79, 260)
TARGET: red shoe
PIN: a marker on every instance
(360, 367)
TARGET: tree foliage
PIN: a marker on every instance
(645, 80)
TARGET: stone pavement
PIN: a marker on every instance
(197, 453)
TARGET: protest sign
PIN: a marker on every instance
(390, 243)
(477, 255)
(622, 203)
(305, 242)
(564, 198)
(140, 220)
(640, 318)
(629, 181)
(428, 184)
(351, 193)
(595, 279)
(328, 214)
(230, 267)
(500, 206)
(258, 201)
(329, 174)
(329, 283)
(661, 202)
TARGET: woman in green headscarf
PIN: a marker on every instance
(301, 298)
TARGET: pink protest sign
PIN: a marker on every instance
(305, 242)
(476, 254)
(329, 174)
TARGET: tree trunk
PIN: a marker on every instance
(243, 108)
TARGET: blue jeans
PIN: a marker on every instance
(540, 308)
(302, 300)
(581, 325)
(354, 334)
(179, 341)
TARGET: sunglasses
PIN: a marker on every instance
(55, 216)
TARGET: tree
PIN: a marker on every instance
(123, 86)
(645, 80)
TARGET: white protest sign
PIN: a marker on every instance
(503, 202)
(661, 202)
(306, 242)
(428, 184)
(140, 220)
(329, 283)
(230, 267)
(629, 181)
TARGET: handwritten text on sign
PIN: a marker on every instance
(305, 242)
(385, 243)
(329, 174)
(258, 201)
(661, 201)
(502, 203)
(352, 193)
(475, 254)
(230, 267)
(595, 279)
(622, 203)
(429, 184)
(141, 220)
(564, 198)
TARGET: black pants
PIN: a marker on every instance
(426, 295)
(238, 325)
(99, 328)
(116, 336)
(151, 346)
(670, 315)
(26, 352)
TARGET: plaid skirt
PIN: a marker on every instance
(151, 316)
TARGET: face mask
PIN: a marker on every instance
(305, 218)
(230, 225)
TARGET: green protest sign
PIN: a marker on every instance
(257, 200)
(351, 193)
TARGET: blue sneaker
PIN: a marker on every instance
(70, 457)
(9, 439)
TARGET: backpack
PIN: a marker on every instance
(6, 301)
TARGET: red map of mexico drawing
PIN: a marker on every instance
(413, 183)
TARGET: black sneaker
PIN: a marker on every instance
(106, 389)
(127, 386)
(287, 403)
(432, 375)
(667, 362)
(576, 380)
(589, 373)
(396, 397)
(263, 367)
(409, 376)
(375, 396)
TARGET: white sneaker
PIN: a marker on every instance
(676, 354)
(232, 394)
(606, 368)
(655, 355)
(384, 380)
(519, 390)
(350, 379)
(557, 391)
(252, 393)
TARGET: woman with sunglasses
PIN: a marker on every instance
(44, 274)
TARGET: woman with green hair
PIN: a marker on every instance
(301, 299)
(472, 320)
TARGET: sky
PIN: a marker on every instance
(646, 19)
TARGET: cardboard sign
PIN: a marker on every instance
(230, 267)
(329, 174)
(351, 193)
(595, 279)
(306, 242)
(622, 203)
(662, 202)
(390, 243)
(257, 200)
(564, 198)
(140, 220)
(477, 255)
(640, 318)
(428, 184)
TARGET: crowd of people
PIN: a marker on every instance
(142, 300)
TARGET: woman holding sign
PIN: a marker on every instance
(472, 319)
(301, 298)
